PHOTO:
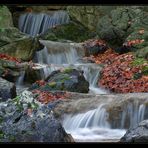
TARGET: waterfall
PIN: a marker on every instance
(53, 57)
(91, 74)
(34, 23)
(69, 55)
(132, 114)
(92, 126)
(20, 79)
(92, 118)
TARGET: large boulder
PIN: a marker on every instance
(25, 120)
(5, 17)
(67, 80)
(10, 68)
(120, 23)
(88, 15)
(17, 44)
(7, 90)
(137, 134)
(73, 31)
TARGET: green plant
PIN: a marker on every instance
(139, 61)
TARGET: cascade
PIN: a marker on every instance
(37, 23)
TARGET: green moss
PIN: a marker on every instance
(139, 61)
(1, 134)
(145, 70)
(52, 84)
(68, 70)
(73, 31)
(12, 138)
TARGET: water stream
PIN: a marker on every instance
(91, 125)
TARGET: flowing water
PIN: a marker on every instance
(37, 23)
(91, 125)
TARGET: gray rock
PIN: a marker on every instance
(16, 125)
(7, 89)
(137, 134)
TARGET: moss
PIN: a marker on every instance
(139, 61)
(52, 84)
(1, 134)
(73, 31)
(68, 70)
(145, 70)
(12, 138)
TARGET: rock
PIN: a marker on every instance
(46, 8)
(14, 43)
(120, 23)
(7, 90)
(11, 70)
(124, 49)
(21, 123)
(68, 79)
(142, 53)
(94, 47)
(73, 31)
(5, 17)
(137, 134)
(88, 15)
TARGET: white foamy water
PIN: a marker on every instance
(92, 126)
(96, 134)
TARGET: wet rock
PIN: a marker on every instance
(94, 47)
(11, 70)
(137, 134)
(7, 90)
(22, 123)
(14, 43)
(67, 79)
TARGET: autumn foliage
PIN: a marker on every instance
(105, 58)
(46, 97)
(122, 77)
(6, 57)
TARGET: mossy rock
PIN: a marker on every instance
(73, 31)
(5, 17)
(17, 44)
(89, 15)
(120, 23)
(142, 53)
(67, 80)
